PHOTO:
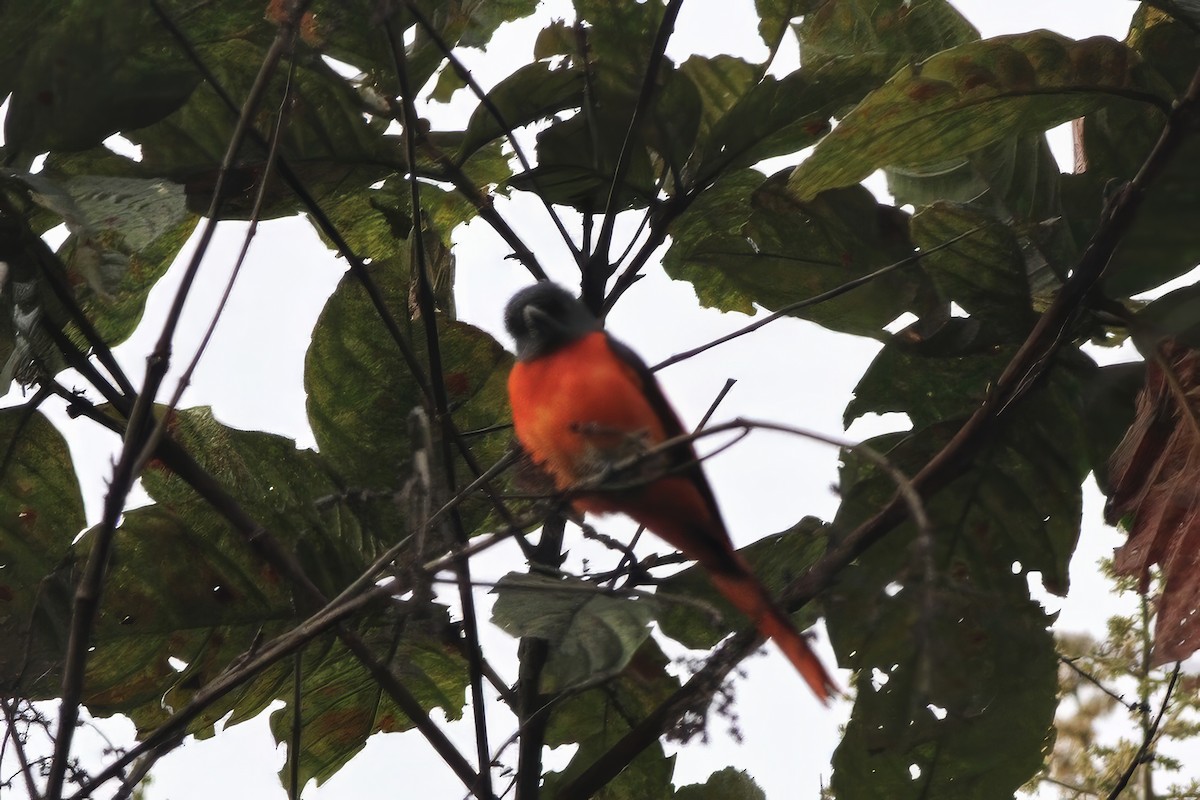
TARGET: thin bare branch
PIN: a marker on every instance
(533, 653)
(598, 270)
(427, 305)
(465, 74)
(185, 378)
(1132, 705)
(14, 736)
(791, 308)
(1151, 735)
(294, 743)
(90, 586)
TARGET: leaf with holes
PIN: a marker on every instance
(747, 242)
(968, 97)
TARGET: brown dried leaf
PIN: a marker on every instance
(1156, 485)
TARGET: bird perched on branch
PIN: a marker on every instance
(589, 412)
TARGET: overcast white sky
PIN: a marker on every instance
(792, 372)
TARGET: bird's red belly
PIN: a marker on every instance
(581, 409)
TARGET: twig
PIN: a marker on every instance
(533, 653)
(297, 725)
(663, 216)
(1092, 679)
(1143, 753)
(185, 378)
(436, 37)
(484, 206)
(598, 270)
(10, 721)
(426, 303)
(812, 301)
(88, 591)
(28, 409)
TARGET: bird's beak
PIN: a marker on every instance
(536, 319)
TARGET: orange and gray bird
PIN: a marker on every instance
(585, 407)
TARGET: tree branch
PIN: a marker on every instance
(90, 587)
(485, 101)
(533, 653)
(791, 308)
(597, 271)
(427, 305)
(1116, 219)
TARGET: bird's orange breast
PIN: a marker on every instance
(578, 407)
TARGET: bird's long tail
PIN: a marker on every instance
(737, 583)
(687, 518)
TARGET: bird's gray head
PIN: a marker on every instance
(544, 317)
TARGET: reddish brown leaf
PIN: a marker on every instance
(1156, 489)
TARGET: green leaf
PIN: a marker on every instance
(775, 17)
(293, 492)
(894, 33)
(597, 719)
(97, 69)
(534, 92)
(984, 272)
(1158, 246)
(342, 704)
(41, 510)
(777, 117)
(775, 560)
(592, 635)
(720, 83)
(449, 81)
(125, 233)
(327, 141)
(577, 157)
(181, 586)
(1187, 11)
(360, 390)
(724, 784)
(620, 35)
(1108, 411)
(184, 586)
(747, 242)
(951, 653)
(931, 731)
(929, 387)
(963, 99)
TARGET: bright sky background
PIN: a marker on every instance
(791, 372)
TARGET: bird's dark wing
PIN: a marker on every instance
(682, 458)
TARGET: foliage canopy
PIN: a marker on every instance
(1005, 264)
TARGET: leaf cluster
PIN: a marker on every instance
(981, 246)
